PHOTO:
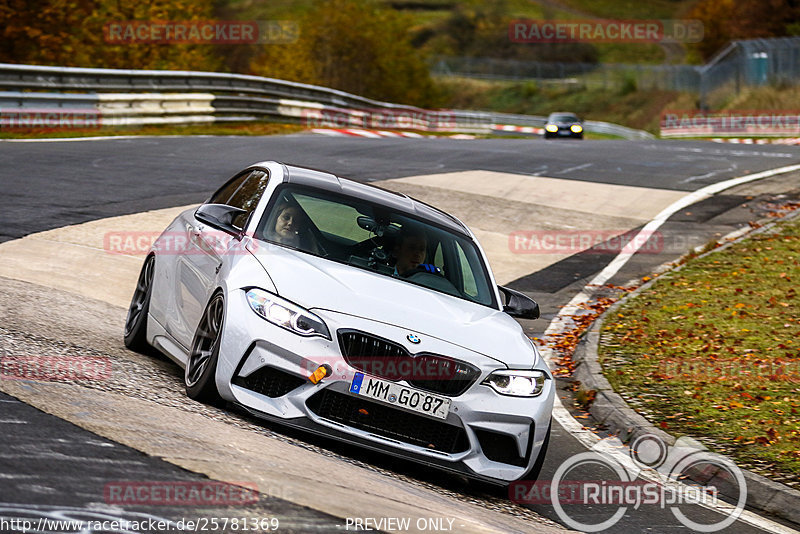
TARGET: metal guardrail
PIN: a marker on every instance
(124, 96)
(610, 128)
(36, 77)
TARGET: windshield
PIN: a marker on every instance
(563, 117)
(375, 238)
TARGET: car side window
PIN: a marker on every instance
(470, 286)
(438, 258)
(225, 192)
(243, 192)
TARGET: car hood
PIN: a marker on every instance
(317, 283)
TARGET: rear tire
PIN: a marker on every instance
(201, 367)
(136, 321)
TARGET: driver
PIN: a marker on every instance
(410, 251)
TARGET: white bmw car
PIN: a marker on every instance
(349, 311)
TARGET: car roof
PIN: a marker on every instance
(395, 201)
(571, 114)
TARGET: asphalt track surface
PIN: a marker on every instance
(49, 185)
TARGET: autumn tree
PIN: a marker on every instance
(70, 33)
(482, 31)
(355, 46)
(728, 20)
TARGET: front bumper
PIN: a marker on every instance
(564, 131)
(488, 436)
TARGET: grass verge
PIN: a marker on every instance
(712, 350)
(233, 128)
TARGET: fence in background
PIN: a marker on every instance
(584, 75)
(747, 63)
(155, 97)
(751, 63)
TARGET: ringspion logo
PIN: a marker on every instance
(653, 474)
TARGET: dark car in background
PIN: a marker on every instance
(563, 124)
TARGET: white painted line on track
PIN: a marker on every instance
(562, 322)
(105, 138)
(66, 139)
(328, 131)
(576, 168)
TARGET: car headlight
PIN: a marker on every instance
(552, 128)
(517, 383)
(285, 314)
(577, 128)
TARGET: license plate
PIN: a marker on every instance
(400, 396)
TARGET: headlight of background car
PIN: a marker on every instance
(551, 128)
(283, 313)
(517, 383)
(577, 128)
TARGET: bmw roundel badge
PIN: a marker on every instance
(414, 339)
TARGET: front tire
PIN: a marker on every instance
(136, 321)
(201, 367)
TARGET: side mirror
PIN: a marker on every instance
(519, 305)
(220, 216)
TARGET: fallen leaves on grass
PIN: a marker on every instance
(713, 351)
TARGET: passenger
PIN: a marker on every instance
(292, 227)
